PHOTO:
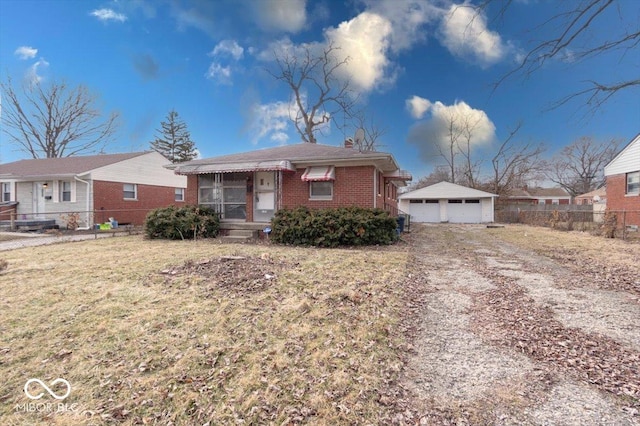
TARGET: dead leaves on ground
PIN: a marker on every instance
(238, 274)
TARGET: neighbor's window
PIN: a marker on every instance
(65, 191)
(320, 190)
(6, 191)
(130, 191)
(179, 194)
(633, 183)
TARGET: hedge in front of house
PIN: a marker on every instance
(176, 223)
(342, 226)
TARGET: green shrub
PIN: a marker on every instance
(343, 226)
(175, 223)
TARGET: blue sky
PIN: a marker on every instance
(412, 62)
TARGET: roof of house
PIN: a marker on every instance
(65, 166)
(539, 193)
(630, 155)
(301, 154)
(445, 190)
(600, 192)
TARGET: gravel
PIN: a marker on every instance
(508, 335)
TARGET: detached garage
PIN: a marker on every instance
(448, 202)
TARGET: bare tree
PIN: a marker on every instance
(579, 167)
(449, 149)
(439, 174)
(372, 132)
(571, 31)
(54, 121)
(317, 91)
(470, 169)
(513, 165)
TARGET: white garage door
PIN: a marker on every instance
(424, 211)
(464, 211)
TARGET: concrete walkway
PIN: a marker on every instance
(33, 240)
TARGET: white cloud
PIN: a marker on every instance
(408, 19)
(434, 132)
(464, 32)
(277, 15)
(32, 75)
(418, 106)
(228, 47)
(270, 121)
(26, 52)
(219, 73)
(108, 15)
(365, 41)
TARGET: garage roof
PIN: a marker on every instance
(445, 190)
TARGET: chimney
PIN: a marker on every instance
(348, 143)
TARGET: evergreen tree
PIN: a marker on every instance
(174, 140)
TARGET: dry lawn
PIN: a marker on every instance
(159, 332)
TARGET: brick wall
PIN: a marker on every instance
(618, 201)
(191, 195)
(353, 186)
(108, 201)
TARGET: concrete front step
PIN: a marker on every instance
(235, 238)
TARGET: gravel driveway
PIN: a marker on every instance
(505, 334)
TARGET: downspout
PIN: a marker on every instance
(88, 199)
(375, 187)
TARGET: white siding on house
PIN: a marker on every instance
(628, 160)
(144, 169)
(54, 208)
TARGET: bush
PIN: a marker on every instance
(175, 223)
(344, 226)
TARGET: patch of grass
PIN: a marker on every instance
(157, 332)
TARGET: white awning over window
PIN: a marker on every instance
(319, 173)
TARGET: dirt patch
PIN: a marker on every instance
(239, 274)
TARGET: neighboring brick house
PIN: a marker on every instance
(122, 186)
(539, 196)
(623, 184)
(252, 186)
(598, 196)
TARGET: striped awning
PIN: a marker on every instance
(319, 173)
(248, 166)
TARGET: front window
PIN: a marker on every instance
(130, 191)
(226, 193)
(179, 194)
(6, 191)
(65, 191)
(633, 183)
(321, 190)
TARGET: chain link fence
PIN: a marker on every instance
(595, 218)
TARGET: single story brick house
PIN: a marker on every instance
(623, 184)
(122, 186)
(528, 195)
(251, 186)
(598, 196)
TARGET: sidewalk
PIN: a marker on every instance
(33, 240)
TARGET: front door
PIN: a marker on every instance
(264, 196)
(38, 201)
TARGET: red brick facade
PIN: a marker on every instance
(353, 186)
(618, 201)
(108, 201)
